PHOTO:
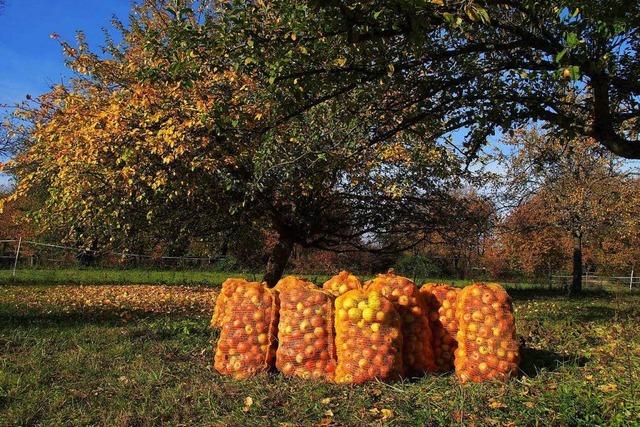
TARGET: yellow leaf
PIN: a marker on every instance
(608, 387)
(340, 61)
(293, 36)
(326, 401)
(248, 401)
(386, 413)
(390, 69)
(496, 404)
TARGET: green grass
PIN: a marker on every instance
(117, 276)
(65, 363)
(169, 277)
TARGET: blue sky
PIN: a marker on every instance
(30, 61)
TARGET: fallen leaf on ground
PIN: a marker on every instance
(248, 401)
(608, 388)
(496, 404)
(386, 413)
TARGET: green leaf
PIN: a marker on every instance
(561, 54)
(483, 15)
(575, 72)
(572, 40)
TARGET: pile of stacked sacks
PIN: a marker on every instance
(347, 332)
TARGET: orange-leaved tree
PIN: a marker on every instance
(168, 134)
(564, 185)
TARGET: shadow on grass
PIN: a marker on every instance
(534, 361)
(593, 313)
(14, 319)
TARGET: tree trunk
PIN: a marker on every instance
(278, 261)
(576, 282)
(224, 249)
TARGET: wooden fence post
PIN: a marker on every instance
(631, 279)
(15, 262)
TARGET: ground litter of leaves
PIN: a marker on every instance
(121, 300)
(142, 355)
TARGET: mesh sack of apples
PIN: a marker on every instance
(487, 343)
(417, 346)
(368, 338)
(441, 303)
(305, 332)
(382, 330)
(227, 289)
(342, 283)
(249, 322)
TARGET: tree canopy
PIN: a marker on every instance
(434, 67)
(574, 188)
(166, 135)
(331, 124)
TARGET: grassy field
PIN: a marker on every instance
(118, 276)
(142, 355)
(140, 276)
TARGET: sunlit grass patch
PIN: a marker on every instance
(86, 364)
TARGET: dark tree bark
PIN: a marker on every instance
(576, 282)
(278, 260)
(224, 249)
(88, 257)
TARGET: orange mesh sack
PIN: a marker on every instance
(249, 327)
(305, 333)
(441, 303)
(368, 338)
(341, 283)
(487, 342)
(293, 282)
(227, 289)
(406, 298)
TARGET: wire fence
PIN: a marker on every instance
(30, 260)
(592, 280)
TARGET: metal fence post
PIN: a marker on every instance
(15, 262)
